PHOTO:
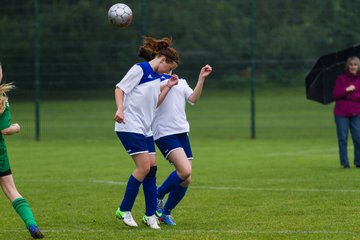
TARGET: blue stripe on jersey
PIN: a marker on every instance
(149, 74)
(164, 77)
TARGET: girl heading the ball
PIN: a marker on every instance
(137, 95)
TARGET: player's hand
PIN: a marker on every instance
(174, 80)
(13, 129)
(16, 127)
(119, 116)
(205, 71)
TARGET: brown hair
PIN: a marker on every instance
(158, 47)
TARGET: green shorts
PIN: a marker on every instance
(4, 160)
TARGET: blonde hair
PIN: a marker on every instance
(4, 88)
(158, 47)
(351, 59)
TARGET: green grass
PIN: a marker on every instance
(285, 184)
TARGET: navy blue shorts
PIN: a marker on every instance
(169, 143)
(135, 143)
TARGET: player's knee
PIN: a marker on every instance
(187, 181)
(185, 172)
(144, 170)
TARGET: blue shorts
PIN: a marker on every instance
(135, 143)
(169, 143)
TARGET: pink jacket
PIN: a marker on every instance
(347, 104)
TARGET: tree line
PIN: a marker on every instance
(79, 49)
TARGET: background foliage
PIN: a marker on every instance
(80, 50)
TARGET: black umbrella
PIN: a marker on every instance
(321, 79)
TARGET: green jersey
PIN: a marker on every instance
(5, 117)
(4, 160)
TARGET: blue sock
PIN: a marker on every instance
(132, 189)
(170, 183)
(149, 188)
(174, 198)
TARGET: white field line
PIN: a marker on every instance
(249, 189)
(280, 232)
(109, 182)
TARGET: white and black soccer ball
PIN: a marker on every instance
(120, 15)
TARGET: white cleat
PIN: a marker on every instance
(126, 217)
(151, 221)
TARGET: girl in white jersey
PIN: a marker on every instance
(137, 95)
(170, 128)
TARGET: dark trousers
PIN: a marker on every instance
(343, 125)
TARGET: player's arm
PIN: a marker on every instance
(204, 72)
(127, 83)
(119, 99)
(164, 90)
(13, 129)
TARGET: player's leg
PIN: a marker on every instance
(149, 188)
(175, 196)
(175, 148)
(149, 183)
(20, 205)
(9, 188)
(142, 164)
(182, 172)
(136, 146)
(183, 164)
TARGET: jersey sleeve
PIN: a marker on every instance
(188, 91)
(5, 118)
(131, 79)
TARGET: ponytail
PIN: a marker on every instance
(158, 47)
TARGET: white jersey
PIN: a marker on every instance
(170, 116)
(141, 86)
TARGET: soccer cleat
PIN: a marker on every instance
(126, 217)
(159, 205)
(158, 214)
(167, 219)
(151, 221)
(35, 232)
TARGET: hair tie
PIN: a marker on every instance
(168, 56)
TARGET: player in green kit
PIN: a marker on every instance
(6, 179)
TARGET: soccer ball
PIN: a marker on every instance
(120, 15)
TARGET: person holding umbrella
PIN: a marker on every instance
(346, 94)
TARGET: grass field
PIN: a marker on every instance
(285, 184)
